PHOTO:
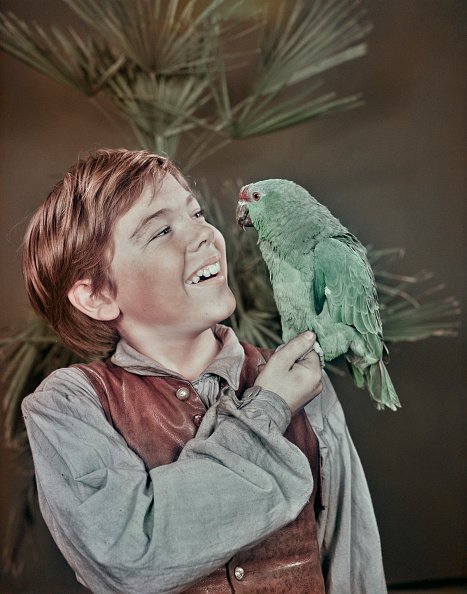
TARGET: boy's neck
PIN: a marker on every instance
(187, 355)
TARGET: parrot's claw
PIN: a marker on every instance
(316, 347)
(319, 351)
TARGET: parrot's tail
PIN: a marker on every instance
(376, 378)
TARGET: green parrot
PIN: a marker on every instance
(321, 278)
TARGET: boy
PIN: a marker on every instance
(165, 469)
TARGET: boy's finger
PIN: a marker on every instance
(295, 348)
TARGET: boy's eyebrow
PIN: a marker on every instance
(159, 213)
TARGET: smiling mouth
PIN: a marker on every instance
(204, 274)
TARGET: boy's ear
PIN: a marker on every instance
(101, 306)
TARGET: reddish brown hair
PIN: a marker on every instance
(70, 238)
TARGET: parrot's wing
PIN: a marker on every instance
(343, 278)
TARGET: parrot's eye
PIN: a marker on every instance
(256, 196)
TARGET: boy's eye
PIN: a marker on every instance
(199, 214)
(161, 233)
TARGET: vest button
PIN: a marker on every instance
(182, 393)
(197, 419)
(239, 573)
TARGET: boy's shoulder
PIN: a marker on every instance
(67, 386)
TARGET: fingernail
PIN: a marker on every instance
(309, 335)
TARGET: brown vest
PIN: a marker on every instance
(156, 425)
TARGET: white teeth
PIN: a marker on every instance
(206, 272)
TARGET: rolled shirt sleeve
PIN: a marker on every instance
(124, 529)
(348, 535)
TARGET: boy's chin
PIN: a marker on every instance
(231, 306)
(225, 312)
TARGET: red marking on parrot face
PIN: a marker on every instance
(244, 195)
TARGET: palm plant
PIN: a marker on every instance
(167, 67)
(164, 66)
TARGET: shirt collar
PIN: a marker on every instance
(227, 364)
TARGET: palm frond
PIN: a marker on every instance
(298, 44)
(159, 109)
(162, 36)
(166, 64)
(291, 112)
(84, 64)
(412, 308)
(303, 41)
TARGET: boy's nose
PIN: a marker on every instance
(200, 233)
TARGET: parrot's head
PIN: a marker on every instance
(270, 203)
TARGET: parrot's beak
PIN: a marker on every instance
(242, 215)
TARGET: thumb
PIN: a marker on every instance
(295, 348)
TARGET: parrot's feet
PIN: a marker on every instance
(319, 351)
(335, 341)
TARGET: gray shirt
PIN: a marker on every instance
(124, 529)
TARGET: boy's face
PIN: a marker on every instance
(159, 246)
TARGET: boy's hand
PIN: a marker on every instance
(296, 381)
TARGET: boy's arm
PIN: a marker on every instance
(348, 535)
(123, 529)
